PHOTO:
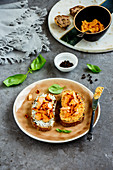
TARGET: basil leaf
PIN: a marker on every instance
(58, 130)
(38, 63)
(55, 89)
(66, 131)
(94, 68)
(63, 130)
(15, 80)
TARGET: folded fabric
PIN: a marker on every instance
(14, 5)
(21, 32)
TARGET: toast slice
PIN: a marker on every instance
(63, 21)
(74, 10)
(72, 108)
(43, 112)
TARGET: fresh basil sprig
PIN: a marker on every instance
(16, 79)
(63, 130)
(55, 89)
(38, 63)
(94, 68)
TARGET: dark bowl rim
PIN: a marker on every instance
(93, 6)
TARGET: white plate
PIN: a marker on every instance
(62, 8)
(44, 135)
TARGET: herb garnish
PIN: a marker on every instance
(63, 130)
(16, 79)
(55, 89)
(94, 68)
(38, 63)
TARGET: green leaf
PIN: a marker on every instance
(15, 79)
(58, 130)
(38, 63)
(55, 89)
(63, 130)
(94, 68)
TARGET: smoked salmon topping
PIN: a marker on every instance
(44, 108)
(48, 98)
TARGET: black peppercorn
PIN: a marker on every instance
(96, 79)
(89, 78)
(88, 75)
(91, 82)
(66, 64)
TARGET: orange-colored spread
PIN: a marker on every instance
(93, 27)
(98, 92)
(72, 106)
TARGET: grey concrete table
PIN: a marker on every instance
(18, 151)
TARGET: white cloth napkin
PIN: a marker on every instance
(21, 32)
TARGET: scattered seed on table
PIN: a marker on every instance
(88, 75)
(91, 82)
(83, 77)
(96, 79)
(88, 79)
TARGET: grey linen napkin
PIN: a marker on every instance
(21, 32)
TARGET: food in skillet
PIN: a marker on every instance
(43, 112)
(72, 110)
(93, 27)
(62, 21)
(74, 10)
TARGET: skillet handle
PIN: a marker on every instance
(81, 35)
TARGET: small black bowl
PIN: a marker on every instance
(90, 13)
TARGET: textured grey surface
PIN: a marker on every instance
(18, 151)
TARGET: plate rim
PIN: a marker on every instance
(74, 47)
(45, 140)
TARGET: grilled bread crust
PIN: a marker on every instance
(40, 127)
(69, 124)
(74, 10)
(62, 21)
